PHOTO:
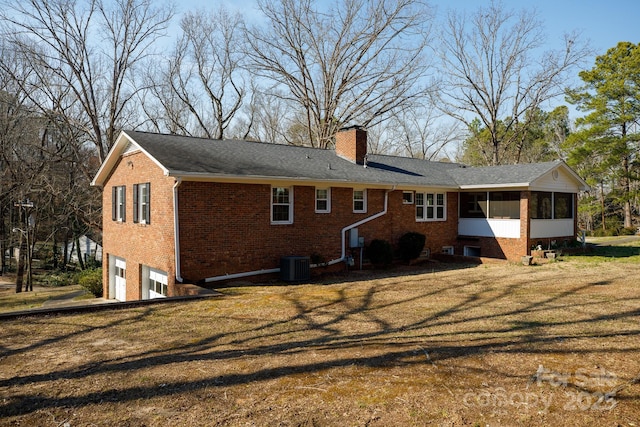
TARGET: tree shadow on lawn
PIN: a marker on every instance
(317, 325)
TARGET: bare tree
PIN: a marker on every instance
(355, 63)
(423, 132)
(494, 70)
(203, 87)
(90, 49)
(271, 117)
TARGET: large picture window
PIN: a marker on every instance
(281, 205)
(430, 206)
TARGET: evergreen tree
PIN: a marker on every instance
(605, 147)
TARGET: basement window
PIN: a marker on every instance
(281, 205)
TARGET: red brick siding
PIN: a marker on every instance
(351, 144)
(138, 244)
(225, 228)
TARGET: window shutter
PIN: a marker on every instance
(136, 202)
(148, 207)
(124, 203)
(114, 203)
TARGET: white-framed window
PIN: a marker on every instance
(118, 203)
(407, 197)
(323, 200)
(431, 207)
(360, 201)
(142, 203)
(447, 250)
(281, 205)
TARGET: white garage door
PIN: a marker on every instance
(157, 283)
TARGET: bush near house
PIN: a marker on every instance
(91, 280)
(411, 245)
(380, 253)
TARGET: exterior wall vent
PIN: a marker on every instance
(294, 268)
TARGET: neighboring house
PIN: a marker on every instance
(187, 210)
(88, 249)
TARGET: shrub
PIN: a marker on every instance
(627, 231)
(380, 252)
(91, 280)
(57, 279)
(411, 245)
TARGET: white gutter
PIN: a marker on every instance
(343, 234)
(176, 229)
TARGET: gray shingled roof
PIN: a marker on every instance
(504, 174)
(197, 157)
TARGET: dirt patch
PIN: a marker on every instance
(498, 344)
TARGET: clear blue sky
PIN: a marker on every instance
(603, 22)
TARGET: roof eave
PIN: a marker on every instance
(259, 179)
(482, 186)
(114, 154)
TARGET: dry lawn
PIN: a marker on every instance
(496, 344)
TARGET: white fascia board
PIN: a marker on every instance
(110, 161)
(512, 186)
(114, 155)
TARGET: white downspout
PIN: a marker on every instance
(176, 229)
(343, 233)
(332, 262)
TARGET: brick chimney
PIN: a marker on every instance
(351, 144)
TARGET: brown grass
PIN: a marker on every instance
(499, 344)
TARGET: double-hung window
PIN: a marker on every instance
(360, 201)
(430, 207)
(142, 203)
(118, 203)
(281, 205)
(323, 200)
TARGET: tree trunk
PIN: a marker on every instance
(627, 193)
(604, 224)
(20, 269)
(79, 253)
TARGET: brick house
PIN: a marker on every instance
(187, 210)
